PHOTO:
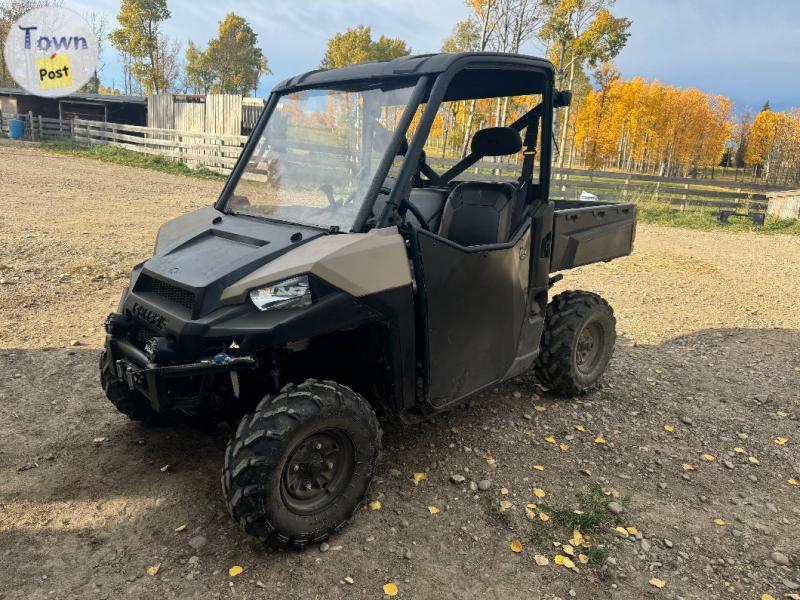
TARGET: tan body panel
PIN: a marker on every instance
(358, 263)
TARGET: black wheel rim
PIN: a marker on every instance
(318, 470)
(589, 348)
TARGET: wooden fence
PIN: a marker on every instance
(38, 127)
(207, 150)
(219, 152)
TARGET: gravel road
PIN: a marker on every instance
(694, 434)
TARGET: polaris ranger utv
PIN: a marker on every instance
(339, 277)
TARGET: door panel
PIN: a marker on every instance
(475, 301)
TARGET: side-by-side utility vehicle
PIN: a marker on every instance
(343, 275)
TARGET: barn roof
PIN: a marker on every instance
(80, 97)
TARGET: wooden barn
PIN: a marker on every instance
(129, 110)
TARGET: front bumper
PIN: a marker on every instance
(182, 390)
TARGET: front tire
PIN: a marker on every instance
(577, 343)
(298, 468)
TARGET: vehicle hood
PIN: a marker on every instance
(204, 251)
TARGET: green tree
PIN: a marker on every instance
(235, 60)
(466, 37)
(232, 63)
(356, 46)
(146, 49)
(198, 76)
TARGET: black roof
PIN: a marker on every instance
(414, 66)
(79, 97)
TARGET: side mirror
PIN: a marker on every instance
(562, 98)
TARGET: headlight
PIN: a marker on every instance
(289, 293)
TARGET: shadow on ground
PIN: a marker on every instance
(86, 518)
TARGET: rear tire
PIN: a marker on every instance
(577, 343)
(298, 468)
(127, 401)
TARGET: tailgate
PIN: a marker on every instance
(589, 232)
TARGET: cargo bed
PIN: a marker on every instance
(589, 232)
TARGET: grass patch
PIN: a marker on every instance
(593, 513)
(706, 220)
(129, 158)
(597, 556)
(593, 519)
(500, 516)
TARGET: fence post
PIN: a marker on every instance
(32, 126)
(41, 128)
(685, 187)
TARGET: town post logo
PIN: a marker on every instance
(51, 51)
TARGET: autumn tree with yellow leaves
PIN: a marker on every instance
(650, 127)
(773, 150)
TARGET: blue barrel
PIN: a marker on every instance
(16, 129)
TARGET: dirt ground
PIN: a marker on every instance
(709, 346)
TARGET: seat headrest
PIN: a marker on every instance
(496, 141)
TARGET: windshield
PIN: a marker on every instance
(318, 154)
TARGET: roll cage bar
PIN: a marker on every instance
(503, 74)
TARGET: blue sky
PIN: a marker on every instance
(746, 50)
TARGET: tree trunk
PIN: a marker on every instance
(565, 127)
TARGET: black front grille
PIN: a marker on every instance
(167, 291)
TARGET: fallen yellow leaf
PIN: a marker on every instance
(793, 482)
(767, 597)
(567, 549)
(541, 560)
(632, 530)
(709, 457)
(488, 458)
(742, 436)
(433, 510)
(583, 559)
(621, 530)
(688, 467)
(516, 546)
(550, 439)
(531, 507)
(577, 538)
(153, 570)
(235, 570)
(539, 493)
(538, 468)
(739, 450)
(753, 460)
(781, 441)
(391, 589)
(420, 477)
(580, 428)
(544, 517)
(780, 413)
(560, 559)
(658, 583)
(539, 408)
(599, 440)
(720, 522)
(375, 505)
(669, 428)
(563, 447)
